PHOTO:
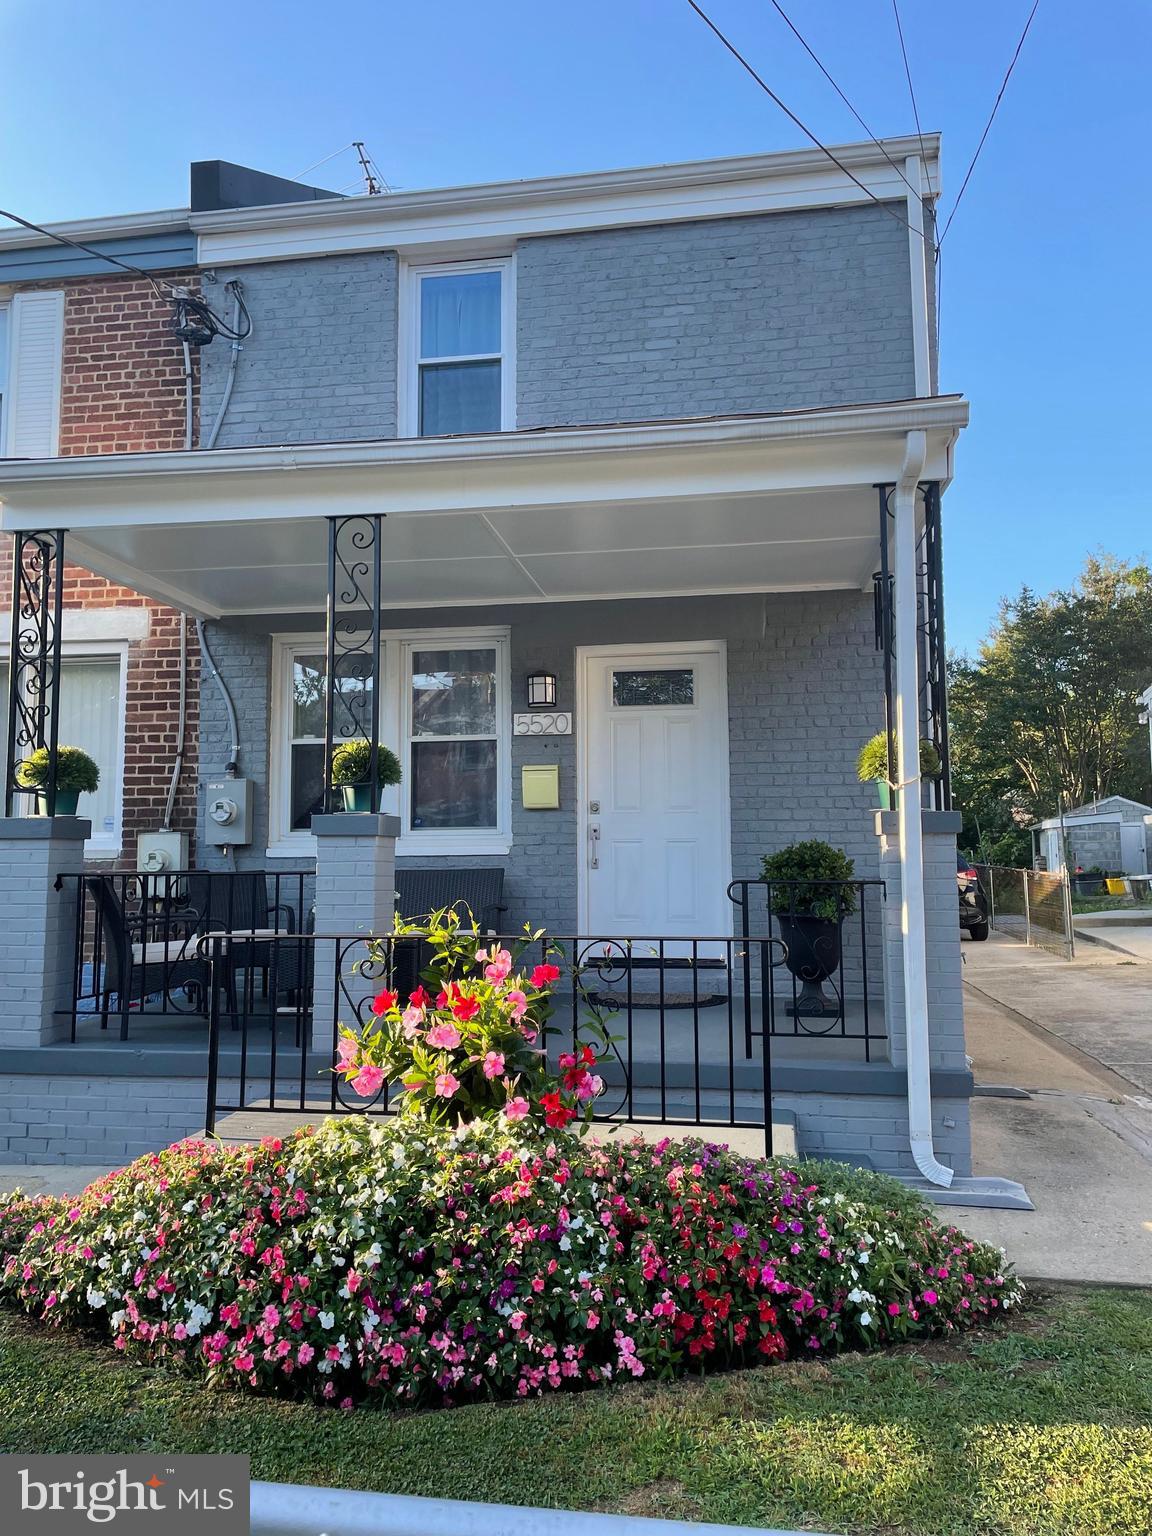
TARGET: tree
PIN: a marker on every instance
(1050, 706)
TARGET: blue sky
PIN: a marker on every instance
(1045, 316)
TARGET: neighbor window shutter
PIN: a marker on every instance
(36, 343)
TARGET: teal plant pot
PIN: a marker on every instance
(886, 795)
(356, 797)
(67, 802)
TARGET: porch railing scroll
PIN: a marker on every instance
(34, 659)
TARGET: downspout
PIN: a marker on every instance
(915, 950)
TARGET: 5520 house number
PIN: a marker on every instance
(543, 722)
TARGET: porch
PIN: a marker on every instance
(777, 547)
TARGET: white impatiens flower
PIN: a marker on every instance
(326, 1319)
(94, 1298)
(565, 1243)
(198, 1315)
(116, 1319)
(189, 1205)
(865, 1319)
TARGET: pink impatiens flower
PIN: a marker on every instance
(516, 1109)
(446, 1085)
(494, 1064)
(444, 1037)
(368, 1080)
(930, 1298)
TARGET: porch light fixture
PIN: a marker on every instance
(541, 690)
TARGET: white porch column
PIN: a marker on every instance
(37, 925)
(915, 962)
(355, 898)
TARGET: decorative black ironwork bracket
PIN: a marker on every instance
(352, 685)
(34, 666)
(930, 619)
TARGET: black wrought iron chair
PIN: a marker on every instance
(479, 891)
(137, 964)
(237, 903)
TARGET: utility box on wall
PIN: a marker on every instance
(227, 812)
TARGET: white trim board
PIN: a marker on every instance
(493, 216)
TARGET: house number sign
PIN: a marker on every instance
(543, 722)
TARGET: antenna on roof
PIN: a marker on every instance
(374, 183)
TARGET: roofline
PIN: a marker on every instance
(632, 179)
(948, 413)
(117, 226)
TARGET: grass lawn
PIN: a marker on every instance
(1037, 1428)
(1083, 904)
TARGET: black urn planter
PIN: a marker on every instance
(813, 955)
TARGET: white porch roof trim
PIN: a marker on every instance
(780, 502)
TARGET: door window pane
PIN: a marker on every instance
(454, 692)
(664, 685)
(460, 314)
(454, 784)
(459, 397)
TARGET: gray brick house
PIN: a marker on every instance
(664, 445)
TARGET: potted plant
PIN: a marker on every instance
(810, 898)
(351, 765)
(872, 766)
(1088, 882)
(76, 774)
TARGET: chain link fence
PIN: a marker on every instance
(1030, 905)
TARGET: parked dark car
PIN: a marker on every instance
(973, 899)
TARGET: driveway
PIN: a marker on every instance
(1100, 1003)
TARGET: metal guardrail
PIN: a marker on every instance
(283, 1509)
(1030, 905)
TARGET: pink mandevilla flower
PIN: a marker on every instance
(446, 1085)
(516, 1109)
(519, 1002)
(494, 1064)
(443, 1037)
(368, 1080)
(410, 1021)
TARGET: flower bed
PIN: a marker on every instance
(409, 1264)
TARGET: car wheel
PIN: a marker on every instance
(979, 930)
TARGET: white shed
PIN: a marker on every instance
(1113, 833)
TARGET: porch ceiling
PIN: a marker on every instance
(749, 504)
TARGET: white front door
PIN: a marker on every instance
(654, 797)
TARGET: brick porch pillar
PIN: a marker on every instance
(355, 898)
(38, 925)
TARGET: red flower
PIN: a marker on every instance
(588, 1056)
(556, 1113)
(465, 1008)
(419, 998)
(543, 974)
(383, 1001)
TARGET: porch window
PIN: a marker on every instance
(445, 709)
(458, 372)
(92, 717)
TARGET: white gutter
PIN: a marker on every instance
(915, 947)
(119, 226)
(947, 412)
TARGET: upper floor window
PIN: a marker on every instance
(458, 373)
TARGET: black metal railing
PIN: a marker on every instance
(826, 971)
(138, 951)
(672, 1009)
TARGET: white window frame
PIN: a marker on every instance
(411, 274)
(396, 731)
(5, 372)
(102, 844)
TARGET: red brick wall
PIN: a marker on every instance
(123, 392)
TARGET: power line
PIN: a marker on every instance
(895, 164)
(988, 124)
(88, 251)
(908, 77)
(764, 86)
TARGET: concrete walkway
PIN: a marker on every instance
(1100, 1003)
(1128, 932)
(1080, 1141)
